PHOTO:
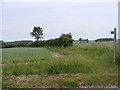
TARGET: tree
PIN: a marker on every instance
(66, 40)
(37, 33)
(87, 40)
(80, 39)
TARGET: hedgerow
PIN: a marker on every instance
(63, 41)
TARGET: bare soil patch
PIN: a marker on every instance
(57, 55)
(2, 65)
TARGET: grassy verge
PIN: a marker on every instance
(60, 80)
(84, 64)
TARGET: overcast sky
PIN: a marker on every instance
(90, 20)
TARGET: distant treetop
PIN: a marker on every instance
(37, 33)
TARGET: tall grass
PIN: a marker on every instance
(83, 64)
(81, 58)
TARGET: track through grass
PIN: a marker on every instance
(84, 64)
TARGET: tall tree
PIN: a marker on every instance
(37, 33)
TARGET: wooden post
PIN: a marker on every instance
(114, 32)
(114, 44)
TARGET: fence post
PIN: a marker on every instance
(114, 32)
(115, 45)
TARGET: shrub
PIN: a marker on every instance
(8, 45)
(1, 43)
(20, 44)
(15, 44)
(64, 40)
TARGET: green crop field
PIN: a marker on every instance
(14, 55)
(81, 65)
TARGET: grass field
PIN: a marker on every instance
(85, 64)
(15, 55)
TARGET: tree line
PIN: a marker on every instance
(104, 40)
(63, 41)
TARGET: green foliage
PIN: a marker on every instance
(11, 45)
(20, 44)
(63, 41)
(37, 33)
(17, 44)
(1, 43)
(83, 64)
(82, 58)
(66, 40)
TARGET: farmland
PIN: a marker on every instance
(81, 65)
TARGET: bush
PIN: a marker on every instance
(8, 45)
(20, 44)
(15, 44)
(35, 44)
(64, 40)
(1, 43)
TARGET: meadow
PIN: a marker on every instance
(81, 65)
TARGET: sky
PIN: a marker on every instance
(90, 20)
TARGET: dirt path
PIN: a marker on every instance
(2, 65)
(57, 55)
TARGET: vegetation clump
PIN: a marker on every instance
(37, 33)
(63, 41)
